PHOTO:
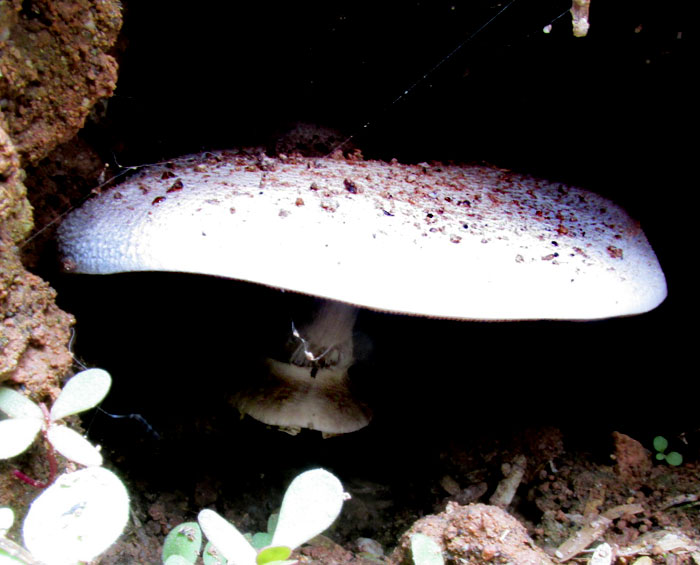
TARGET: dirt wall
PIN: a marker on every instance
(54, 66)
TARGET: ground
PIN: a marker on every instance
(652, 511)
(457, 410)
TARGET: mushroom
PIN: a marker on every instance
(444, 241)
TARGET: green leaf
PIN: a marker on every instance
(261, 539)
(17, 434)
(660, 443)
(74, 446)
(273, 554)
(13, 554)
(674, 458)
(177, 560)
(84, 391)
(227, 539)
(272, 522)
(7, 559)
(184, 540)
(78, 517)
(425, 550)
(660, 456)
(310, 505)
(16, 405)
(212, 556)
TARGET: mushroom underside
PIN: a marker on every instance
(291, 397)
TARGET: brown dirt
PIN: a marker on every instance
(474, 533)
(554, 508)
(55, 66)
(33, 330)
(15, 212)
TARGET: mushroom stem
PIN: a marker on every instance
(310, 388)
(327, 340)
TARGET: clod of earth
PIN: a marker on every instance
(470, 243)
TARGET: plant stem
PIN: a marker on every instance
(50, 455)
(27, 479)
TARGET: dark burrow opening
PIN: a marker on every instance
(449, 398)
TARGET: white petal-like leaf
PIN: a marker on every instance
(74, 446)
(84, 391)
(76, 518)
(16, 405)
(310, 505)
(228, 541)
(16, 435)
(7, 517)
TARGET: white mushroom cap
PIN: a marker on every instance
(433, 240)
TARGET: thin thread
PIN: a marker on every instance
(150, 429)
(96, 190)
(340, 145)
(429, 72)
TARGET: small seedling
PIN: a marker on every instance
(182, 544)
(76, 518)
(310, 505)
(262, 539)
(25, 420)
(425, 550)
(80, 514)
(672, 458)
